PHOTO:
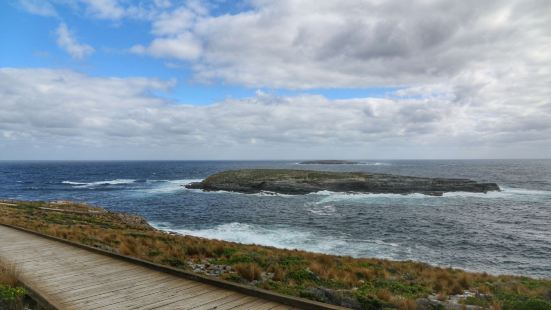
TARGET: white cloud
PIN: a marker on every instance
(67, 41)
(74, 111)
(359, 43)
(181, 47)
(38, 7)
(109, 9)
(174, 39)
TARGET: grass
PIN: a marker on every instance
(364, 283)
(11, 294)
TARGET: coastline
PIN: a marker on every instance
(345, 281)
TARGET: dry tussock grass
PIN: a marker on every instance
(9, 274)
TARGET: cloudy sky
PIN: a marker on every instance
(289, 79)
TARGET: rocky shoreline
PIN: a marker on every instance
(298, 182)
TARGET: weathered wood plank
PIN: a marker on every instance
(196, 301)
(217, 303)
(154, 289)
(236, 303)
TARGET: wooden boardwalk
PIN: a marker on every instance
(69, 277)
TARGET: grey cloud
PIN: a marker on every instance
(304, 44)
(75, 111)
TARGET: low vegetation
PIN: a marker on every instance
(11, 294)
(358, 283)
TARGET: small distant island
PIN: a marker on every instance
(297, 182)
(329, 162)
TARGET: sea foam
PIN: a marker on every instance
(290, 238)
(168, 186)
(99, 183)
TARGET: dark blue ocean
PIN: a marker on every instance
(506, 232)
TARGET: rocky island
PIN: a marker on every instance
(329, 162)
(296, 182)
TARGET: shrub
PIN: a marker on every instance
(249, 271)
(530, 304)
(302, 275)
(9, 275)
(11, 294)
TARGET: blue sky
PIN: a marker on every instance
(288, 79)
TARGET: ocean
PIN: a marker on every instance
(507, 232)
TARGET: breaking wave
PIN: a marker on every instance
(374, 164)
(322, 210)
(99, 183)
(170, 186)
(352, 164)
(290, 238)
(505, 193)
(325, 197)
(145, 186)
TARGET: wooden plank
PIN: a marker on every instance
(236, 303)
(216, 304)
(197, 301)
(140, 299)
(144, 280)
(178, 295)
(165, 293)
(72, 278)
(154, 288)
(282, 307)
(254, 305)
(77, 280)
(100, 290)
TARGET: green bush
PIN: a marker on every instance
(302, 275)
(530, 304)
(8, 293)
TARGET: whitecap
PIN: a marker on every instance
(259, 194)
(322, 210)
(289, 238)
(331, 197)
(524, 191)
(505, 193)
(168, 186)
(271, 194)
(73, 183)
(374, 164)
(99, 183)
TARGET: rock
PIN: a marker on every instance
(297, 182)
(332, 297)
(133, 220)
(427, 304)
(454, 302)
(209, 269)
(329, 162)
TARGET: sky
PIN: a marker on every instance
(289, 79)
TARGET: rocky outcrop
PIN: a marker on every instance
(296, 182)
(328, 162)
